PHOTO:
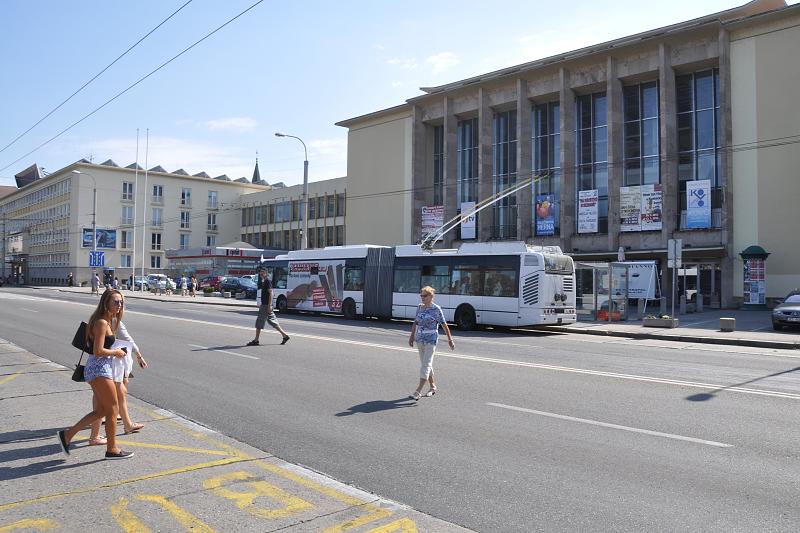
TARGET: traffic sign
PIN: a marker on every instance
(97, 259)
(675, 253)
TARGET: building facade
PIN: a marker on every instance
(629, 144)
(274, 218)
(138, 214)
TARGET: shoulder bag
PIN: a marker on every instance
(79, 341)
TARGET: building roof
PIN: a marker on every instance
(28, 176)
(134, 166)
(223, 177)
(6, 190)
(109, 163)
(180, 172)
(158, 168)
(201, 175)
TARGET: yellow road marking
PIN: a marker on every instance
(40, 524)
(131, 523)
(8, 378)
(245, 499)
(404, 525)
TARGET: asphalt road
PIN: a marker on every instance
(530, 431)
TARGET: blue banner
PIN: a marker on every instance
(545, 214)
(698, 204)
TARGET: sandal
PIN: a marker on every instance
(99, 441)
(134, 429)
(415, 396)
(431, 392)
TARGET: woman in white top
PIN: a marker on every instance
(121, 368)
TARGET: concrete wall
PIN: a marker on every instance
(765, 77)
(379, 202)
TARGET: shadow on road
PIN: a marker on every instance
(378, 405)
(705, 396)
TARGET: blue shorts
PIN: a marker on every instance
(98, 367)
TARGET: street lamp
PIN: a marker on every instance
(94, 208)
(304, 207)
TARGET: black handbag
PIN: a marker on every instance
(79, 341)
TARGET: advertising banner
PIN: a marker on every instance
(652, 201)
(630, 208)
(545, 214)
(587, 211)
(698, 204)
(316, 285)
(467, 220)
(106, 238)
(432, 219)
(755, 281)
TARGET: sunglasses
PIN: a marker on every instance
(118, 303)
(425, 295)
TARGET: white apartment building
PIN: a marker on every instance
(139, 214)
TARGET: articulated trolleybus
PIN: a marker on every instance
(496, 283)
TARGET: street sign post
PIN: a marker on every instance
(97, 259)
(674, 261)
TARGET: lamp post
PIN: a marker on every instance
(304, 207)
(94, 208)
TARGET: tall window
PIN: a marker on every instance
(699, 136)
(158, 217)
(212, 222)
(183, 241)
(331, 205)
(127, 190)
(504, 174)
(158, 194)
(592, 152)
(155, 261)
(185, 219)
(127, 214)
(467, 161)
(340, 207)
(212, 199)
(155, 241)
(547, 157)
(125, 261)
(211, 240)
(438, 165)
(186, 196)
(126, 239)
(641, 134)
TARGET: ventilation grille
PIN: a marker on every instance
(569, 284)
(530, 290)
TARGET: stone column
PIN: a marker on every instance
(524, 163)
(615, 150)
(568, 188)
(725, 173)
(485, 121)
(451, 203)
(670, 215)
(420, 183)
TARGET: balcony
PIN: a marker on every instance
(157, 223)
(127, 197)
(185, 202)
(213, 205)
(157, 200)
(125, 221)
(212, 227)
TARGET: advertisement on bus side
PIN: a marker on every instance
(316, 285)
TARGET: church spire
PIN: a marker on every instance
(256, 173)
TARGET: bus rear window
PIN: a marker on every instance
(558, 264)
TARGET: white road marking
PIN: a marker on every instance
(28, 310)
(223, 351)
(612, 426)
(680, 383)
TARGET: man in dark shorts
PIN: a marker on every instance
(265, 312)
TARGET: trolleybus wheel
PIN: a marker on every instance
(465, 317)
(282, 304)
(349, 309)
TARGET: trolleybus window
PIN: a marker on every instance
(500, 282)
(466, 280)
(353, 278)
(406, 279)
(437, 276)
(277, 276)
(557, 264)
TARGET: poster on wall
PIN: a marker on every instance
(652, 201)
(698, 204)
(755, 281)
(545, 214)
(316, 285)
(467, 220)
(630, 208)
(106, 238)
(432, 219)
(587, 211)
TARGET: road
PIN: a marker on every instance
(530, 431)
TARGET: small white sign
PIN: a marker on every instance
(467, 220)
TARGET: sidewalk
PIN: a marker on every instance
(183, 476)
(753, 328)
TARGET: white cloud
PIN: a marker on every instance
(406, 64)
(240, 124)
(330, 147)
(380, 47)
(442, 61)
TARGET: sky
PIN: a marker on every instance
(294, 67)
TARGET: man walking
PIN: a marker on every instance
(95, 283)
(265, 312)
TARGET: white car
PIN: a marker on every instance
(251, 277)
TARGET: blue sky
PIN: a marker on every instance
(297, 67)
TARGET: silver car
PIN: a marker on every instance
(788, 312)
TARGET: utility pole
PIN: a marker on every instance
(4, 248)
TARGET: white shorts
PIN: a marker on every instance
(121, 367)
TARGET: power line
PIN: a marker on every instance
(134, 84)
(82, 87)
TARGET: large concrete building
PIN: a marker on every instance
(684, 132)
(47, 221)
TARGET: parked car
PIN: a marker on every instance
(251, 277)
(138, 281)
(160, 281)
(237, 285)
(211, 281)
(788, 312)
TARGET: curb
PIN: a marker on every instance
(201, 300)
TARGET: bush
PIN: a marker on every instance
(207, 290)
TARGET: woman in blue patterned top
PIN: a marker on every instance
(426, 332)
